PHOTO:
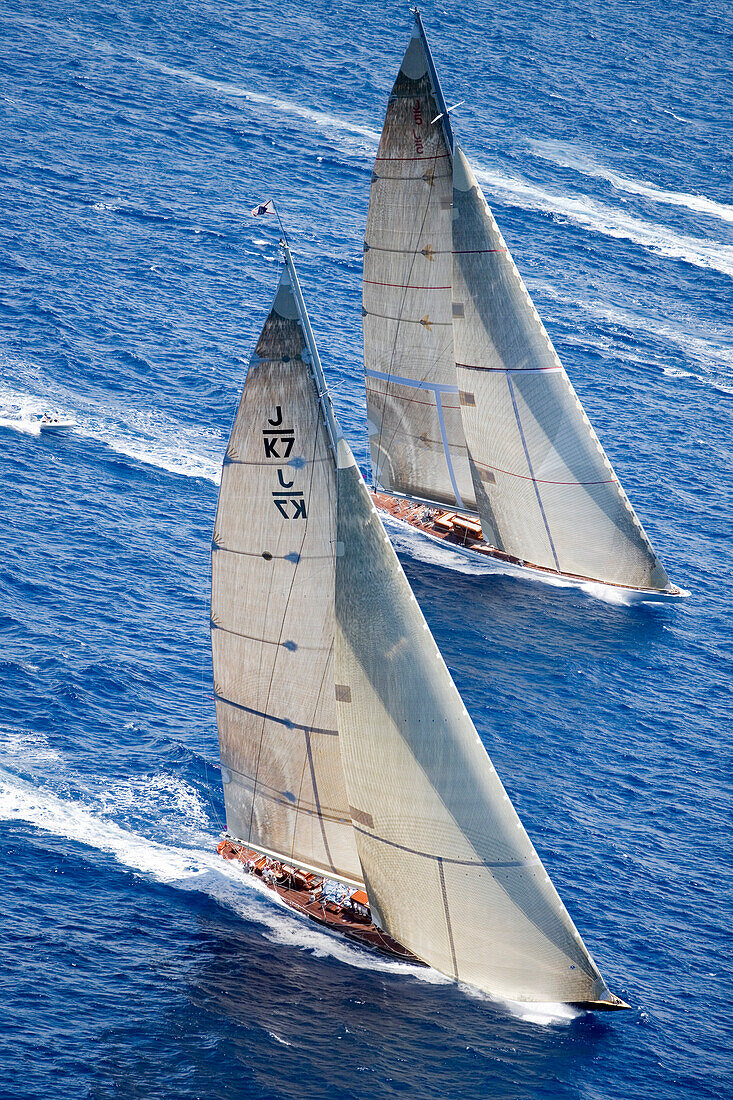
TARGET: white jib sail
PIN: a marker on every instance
(415, 430)
(545, 489)
(449, 868)
(272, 612)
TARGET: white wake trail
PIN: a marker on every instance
(147, 436)
(188, 869)
(174, 806)
(21, 424)
(569, 157)
(196, 869)
(587, 213)
(597, 217)
(321, 119)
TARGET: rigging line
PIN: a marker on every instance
(308, 759)
(207, 785)
(449, 928)
(308, 756)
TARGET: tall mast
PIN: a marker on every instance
(445, 119)
(324, 397)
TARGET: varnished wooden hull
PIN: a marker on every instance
(328, 914)
(462, 534)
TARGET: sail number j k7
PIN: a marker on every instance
(278, 443)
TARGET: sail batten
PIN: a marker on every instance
(273, 567)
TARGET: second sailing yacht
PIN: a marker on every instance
(477, 436)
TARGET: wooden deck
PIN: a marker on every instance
(302, 891)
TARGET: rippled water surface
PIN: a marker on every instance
(134, 139)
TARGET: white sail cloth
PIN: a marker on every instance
(272, 613)
(546, 491)
(415, 429)
(450, 871)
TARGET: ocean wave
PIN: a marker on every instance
(28, 749)
(157, 794)
(188, 869)
(587, 213)
(569, 156)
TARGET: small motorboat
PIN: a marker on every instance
(55, 423)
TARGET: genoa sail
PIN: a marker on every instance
(272, 612)
(448, 866)
(415, 428)
(544, 486)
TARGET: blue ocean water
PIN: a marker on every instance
(134, 139)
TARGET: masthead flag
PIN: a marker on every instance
(264, 208)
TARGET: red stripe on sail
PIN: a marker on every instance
(541, 480)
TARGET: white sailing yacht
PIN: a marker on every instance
(355, 782)
(477, 436)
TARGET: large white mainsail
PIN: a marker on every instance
(415, 431)
(449, 868)
(544, 486)
(272, 610)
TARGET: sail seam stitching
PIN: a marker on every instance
(436, 156)
(406, 286)
(542, 480)
(267, 641)
(406, 320)
(489, 864)
(512, 370)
